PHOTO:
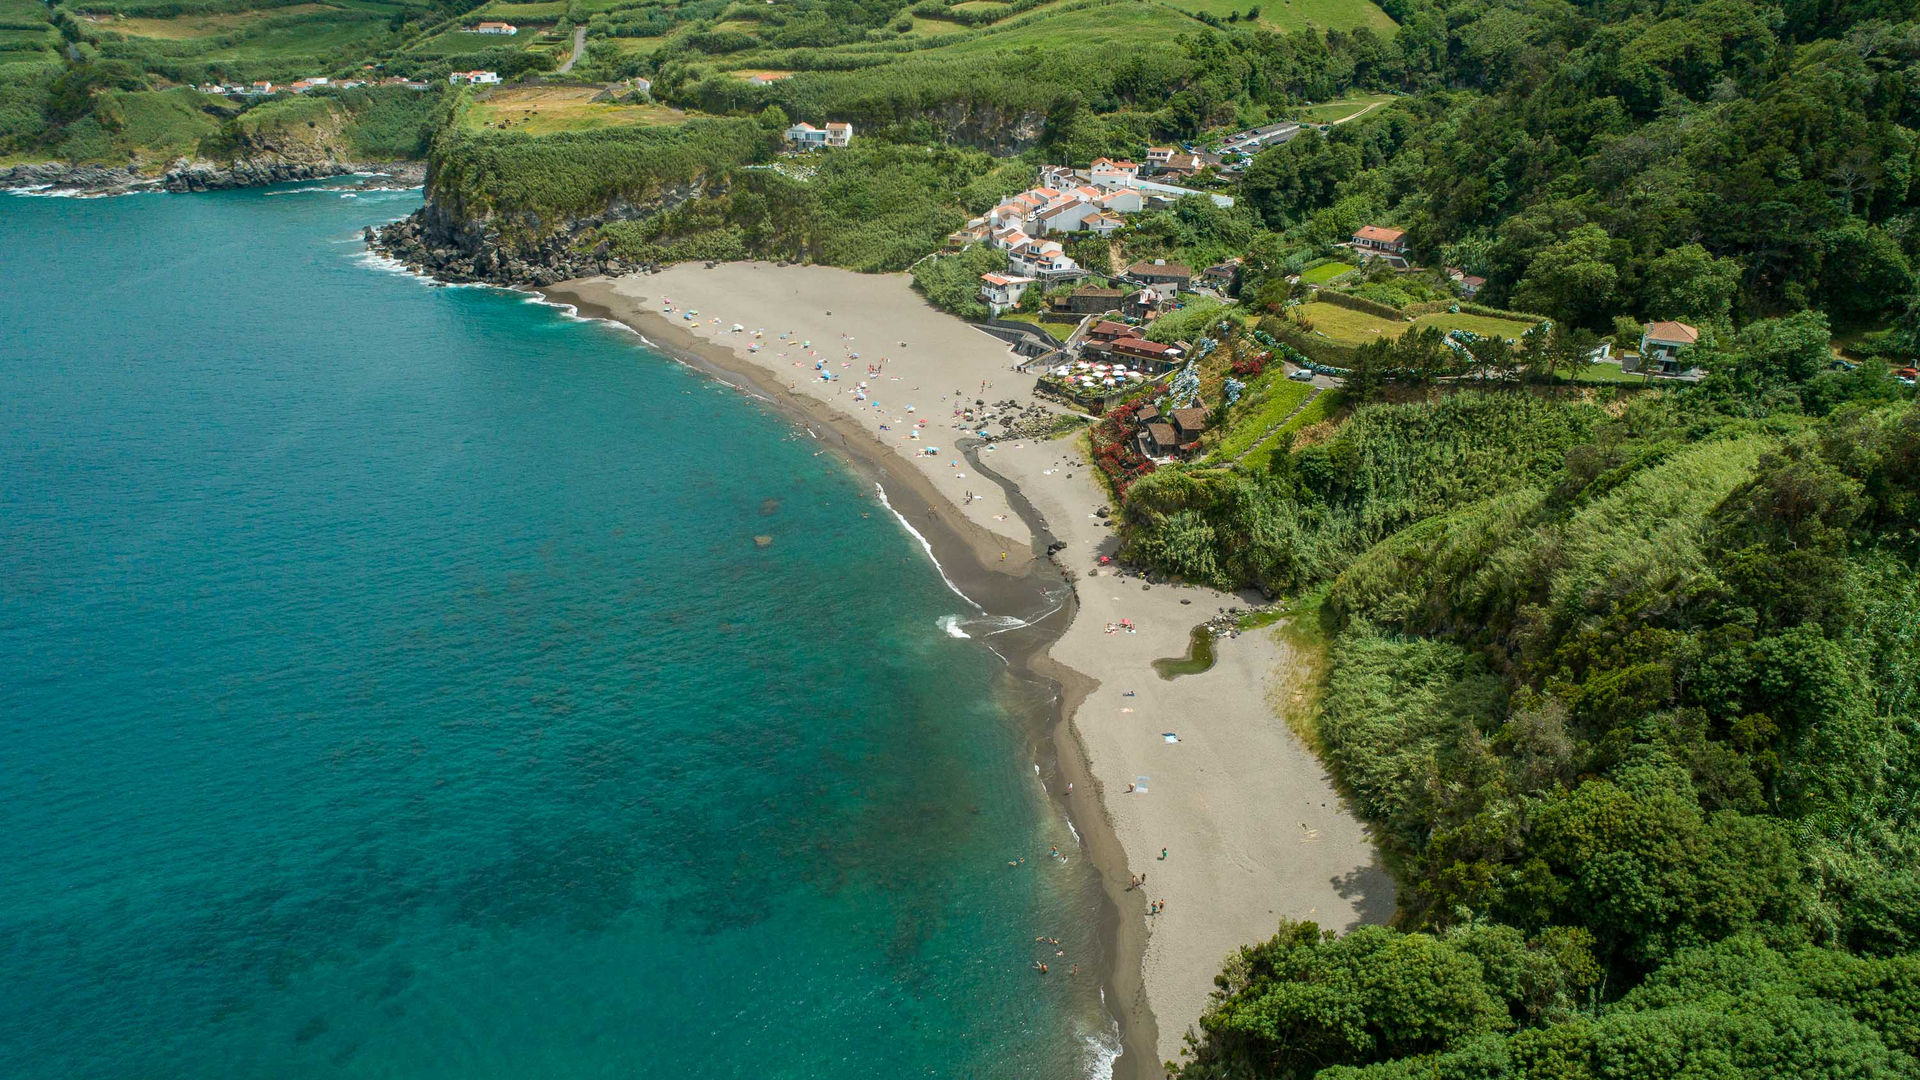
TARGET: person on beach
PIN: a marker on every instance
(1163, 854)
(1075, 970)
(1129, 789)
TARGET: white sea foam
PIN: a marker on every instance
(915, 533)
(1099, 1050)
(951, 624)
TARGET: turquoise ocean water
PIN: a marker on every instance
(391, 686)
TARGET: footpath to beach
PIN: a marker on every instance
(1251, 825)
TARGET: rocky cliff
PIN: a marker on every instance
(187, 174)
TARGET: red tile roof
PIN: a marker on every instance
(1673, 331)
(1379, 235)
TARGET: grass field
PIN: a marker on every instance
(1045, 29)
(633, 46)
(1348, 327)
(544, 110)
(1484, 325)
(190, 27)
(1320, 275)
(1298, 14)
(1328, 112)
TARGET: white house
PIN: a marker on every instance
(644, 85)
(474, 78)
(1003, 291)
(1159, 155)
(1107, 172)
(504, 29)
(805, 136)
(1065, 214)
(1045, 260)
(1662, 343)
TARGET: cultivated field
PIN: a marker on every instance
(544, 110)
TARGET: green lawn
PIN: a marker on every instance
(544, 110)
(1485, 326)
(1320, 275)
(1348, 327)
(1119, 24)
(1265, 404)
(1298, 14)
(1326, 112)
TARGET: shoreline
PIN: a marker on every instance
(1196, 779)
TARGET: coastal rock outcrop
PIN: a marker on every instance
(200, 175)
(438, 240)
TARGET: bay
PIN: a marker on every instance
(392, 685)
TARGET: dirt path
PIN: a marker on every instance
(579, 46)
(1362, 112)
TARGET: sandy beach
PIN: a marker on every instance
(1251, 826)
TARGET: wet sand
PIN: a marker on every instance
(1253, 829)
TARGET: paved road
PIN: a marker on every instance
(579, 46)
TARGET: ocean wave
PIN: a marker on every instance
(926, 546)
(572, 313)
(1100, 1049)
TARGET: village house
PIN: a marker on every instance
(1171, 435)
(473, 78)
(1145, 303)
(1045, 260)
(1106, 171)
(1106, 331)
(1161, 272)
(1101, 223)
(767, 78)
(1088, 300)
(1159, 155)
(805, 136)
(1003, 291)
(1154, 356)
(1188, 424)
(1183, 165)
(1009, 238)
(1374, 241)
(643, 84)
(1157, 440)
(1220, 275)
(505, 29)
(1469, 285)
(1662, 343)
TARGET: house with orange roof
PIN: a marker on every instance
(1003, 291)
(1159, 155)
(1663, 342)
(504, 29)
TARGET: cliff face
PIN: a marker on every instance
(991, 128)
(442, 240)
